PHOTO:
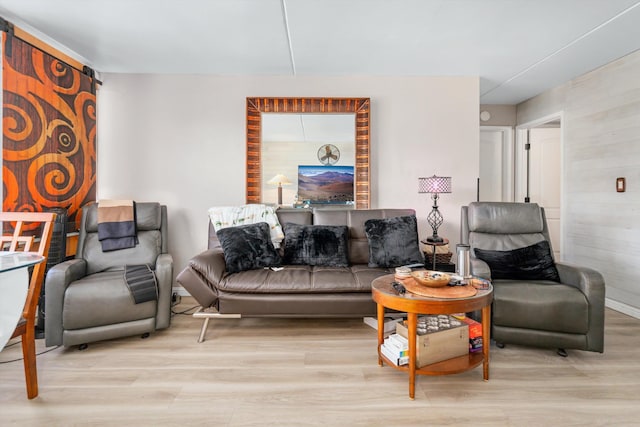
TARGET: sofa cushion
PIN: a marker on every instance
(248, 247)
(355, 219)
(322, 245)
(84, 302)
(532, 262)
(393, 241)
(230, 216)
(302, 279)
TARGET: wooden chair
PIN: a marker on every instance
(18, 242)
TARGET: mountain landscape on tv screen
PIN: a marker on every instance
(333, 186)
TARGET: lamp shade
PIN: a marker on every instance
(279, 180)
(434, 184)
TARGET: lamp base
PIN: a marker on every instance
(435, 239)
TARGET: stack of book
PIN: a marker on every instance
(396, 349)
(475, 332)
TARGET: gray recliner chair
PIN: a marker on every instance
(87, 298)
(563, 314)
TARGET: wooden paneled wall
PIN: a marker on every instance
(601, 142)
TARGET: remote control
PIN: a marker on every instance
(399, 287)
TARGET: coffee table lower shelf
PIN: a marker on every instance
(455, 365)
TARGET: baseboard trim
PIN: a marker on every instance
(622, 308)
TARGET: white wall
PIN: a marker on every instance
(180, 140)
(601, 137)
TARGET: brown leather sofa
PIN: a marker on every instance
(297, 290)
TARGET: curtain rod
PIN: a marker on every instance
(13, 31)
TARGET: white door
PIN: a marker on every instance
(496, 164)
(544, 177)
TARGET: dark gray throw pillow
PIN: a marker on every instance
(393, 241)
(247, 247)
(529, 263)
(322, 245)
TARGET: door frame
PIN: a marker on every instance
(508, 161)
(521, 159)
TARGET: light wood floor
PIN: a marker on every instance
(260, 372)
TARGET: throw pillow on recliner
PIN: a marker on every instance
(322, 245)
(393, 242)
(529, 263)
(247, 247)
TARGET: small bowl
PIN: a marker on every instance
(432, 279)
(403, 272)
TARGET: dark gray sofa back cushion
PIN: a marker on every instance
(353, 218)
(321, 245)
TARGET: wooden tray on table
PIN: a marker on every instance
(444, 292)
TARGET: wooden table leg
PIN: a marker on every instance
(412, 320)
(380, 331)
(486, 340)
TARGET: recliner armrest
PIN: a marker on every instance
(480, 268)
(589, 281)
(58, 278)
(164, 276)
(591, 284)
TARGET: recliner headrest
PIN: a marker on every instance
(505, 218)
(148, 216)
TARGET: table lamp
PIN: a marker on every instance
(279, 180)
(434, 185)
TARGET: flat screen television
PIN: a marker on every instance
(325, 184)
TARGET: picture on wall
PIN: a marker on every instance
(326, 184)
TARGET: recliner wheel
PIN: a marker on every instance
(562, 352)
(145, 335)
(83, 346)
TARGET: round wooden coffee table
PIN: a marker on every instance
(386, 296)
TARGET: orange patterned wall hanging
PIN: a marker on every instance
(49, 131)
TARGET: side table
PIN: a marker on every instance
(434, 245)
(385, 296)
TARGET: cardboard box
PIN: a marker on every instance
(446, 343)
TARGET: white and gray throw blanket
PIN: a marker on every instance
(117, 224)
(222, 217)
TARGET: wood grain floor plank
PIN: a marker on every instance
(309, 372)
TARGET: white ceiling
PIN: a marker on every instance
(309, 128)
(518, 48)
